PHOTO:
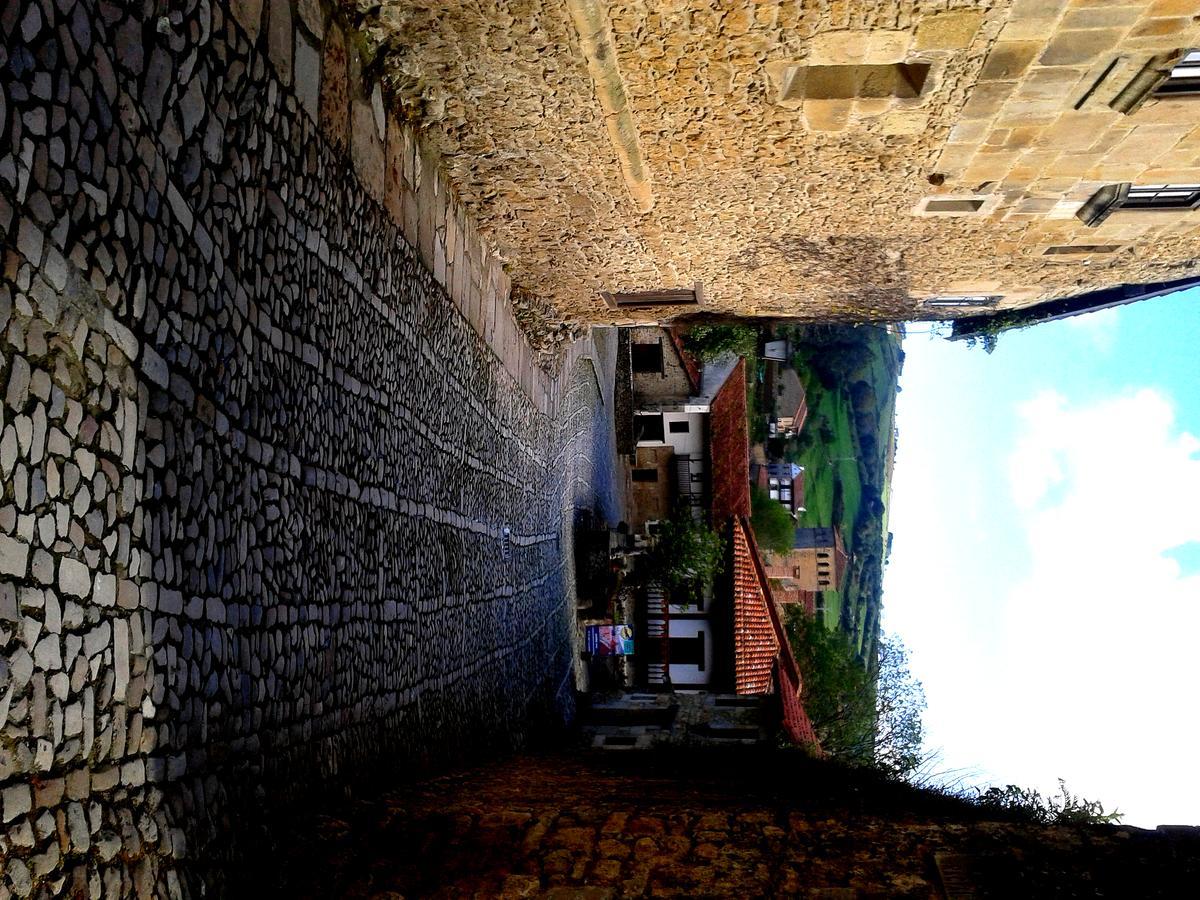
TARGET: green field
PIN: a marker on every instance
(837, 468)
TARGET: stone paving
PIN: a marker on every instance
(733, 823)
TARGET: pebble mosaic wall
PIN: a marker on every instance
(273, 513)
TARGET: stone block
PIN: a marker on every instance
(1045, 11)
(17, 800)
(1101, 17)
(393, 173)
(1008, 61)
(948, 30)
(1160, 28)
(312, 16)
(838, 48)
(887, 46)
(248, 13)
(280, 37)
(1073, 48)
(307, 79)
(904, 122)
(986, 98)
(366, 149)
(14, 556)
(827, 115)
(74, 578)
(335, 90)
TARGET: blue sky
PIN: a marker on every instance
(1045, 571)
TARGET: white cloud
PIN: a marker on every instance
(1095, 679)
(1100, 326)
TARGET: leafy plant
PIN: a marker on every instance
(686, 553)
(1063, 808)
(709, 342)
(772, 523)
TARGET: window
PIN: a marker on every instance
(647, 358)
(1114, 197)
(648, 426)
(1184, 78)
(951, 205)
(1161, 196)
(645, 474)
(688, 651)
(1069, 249)
(665, 297)
(679, 427)
(964, 300)
(904, 81)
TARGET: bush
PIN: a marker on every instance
(1063, 808)
(686, 554)
(772, 523)
(709, 342)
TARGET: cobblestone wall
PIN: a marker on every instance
(273, 513)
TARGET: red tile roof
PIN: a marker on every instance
(763, 660)
(730, 448)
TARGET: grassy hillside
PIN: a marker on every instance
(850, 375)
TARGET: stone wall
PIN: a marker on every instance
(276, 497)
(782, 201)
(738, 823)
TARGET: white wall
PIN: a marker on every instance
(689, 628)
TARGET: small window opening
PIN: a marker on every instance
(647, 358)
(1070, 249)
(665, 297)
(960, 205)
(904, 81)
(682, 427)
(645, 474)
(964, 300)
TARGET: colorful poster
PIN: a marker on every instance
(610, 640)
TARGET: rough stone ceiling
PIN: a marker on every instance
(770, 215)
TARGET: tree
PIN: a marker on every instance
(709, 342)
(772, 523)
(866, 718)
(899, 703)
(686, 553)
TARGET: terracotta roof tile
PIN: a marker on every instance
(730, 448)
(763, 660)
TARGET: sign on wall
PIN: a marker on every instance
(610, 640)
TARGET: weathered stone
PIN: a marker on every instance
(249, 15)
(280, 37)
(14, 556)
(17, 800)
(74, 577)
(335, 91)
(308, 76)
(104, 593)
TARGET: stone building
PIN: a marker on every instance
(816, 562)
(854, 160)
(791, 402)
